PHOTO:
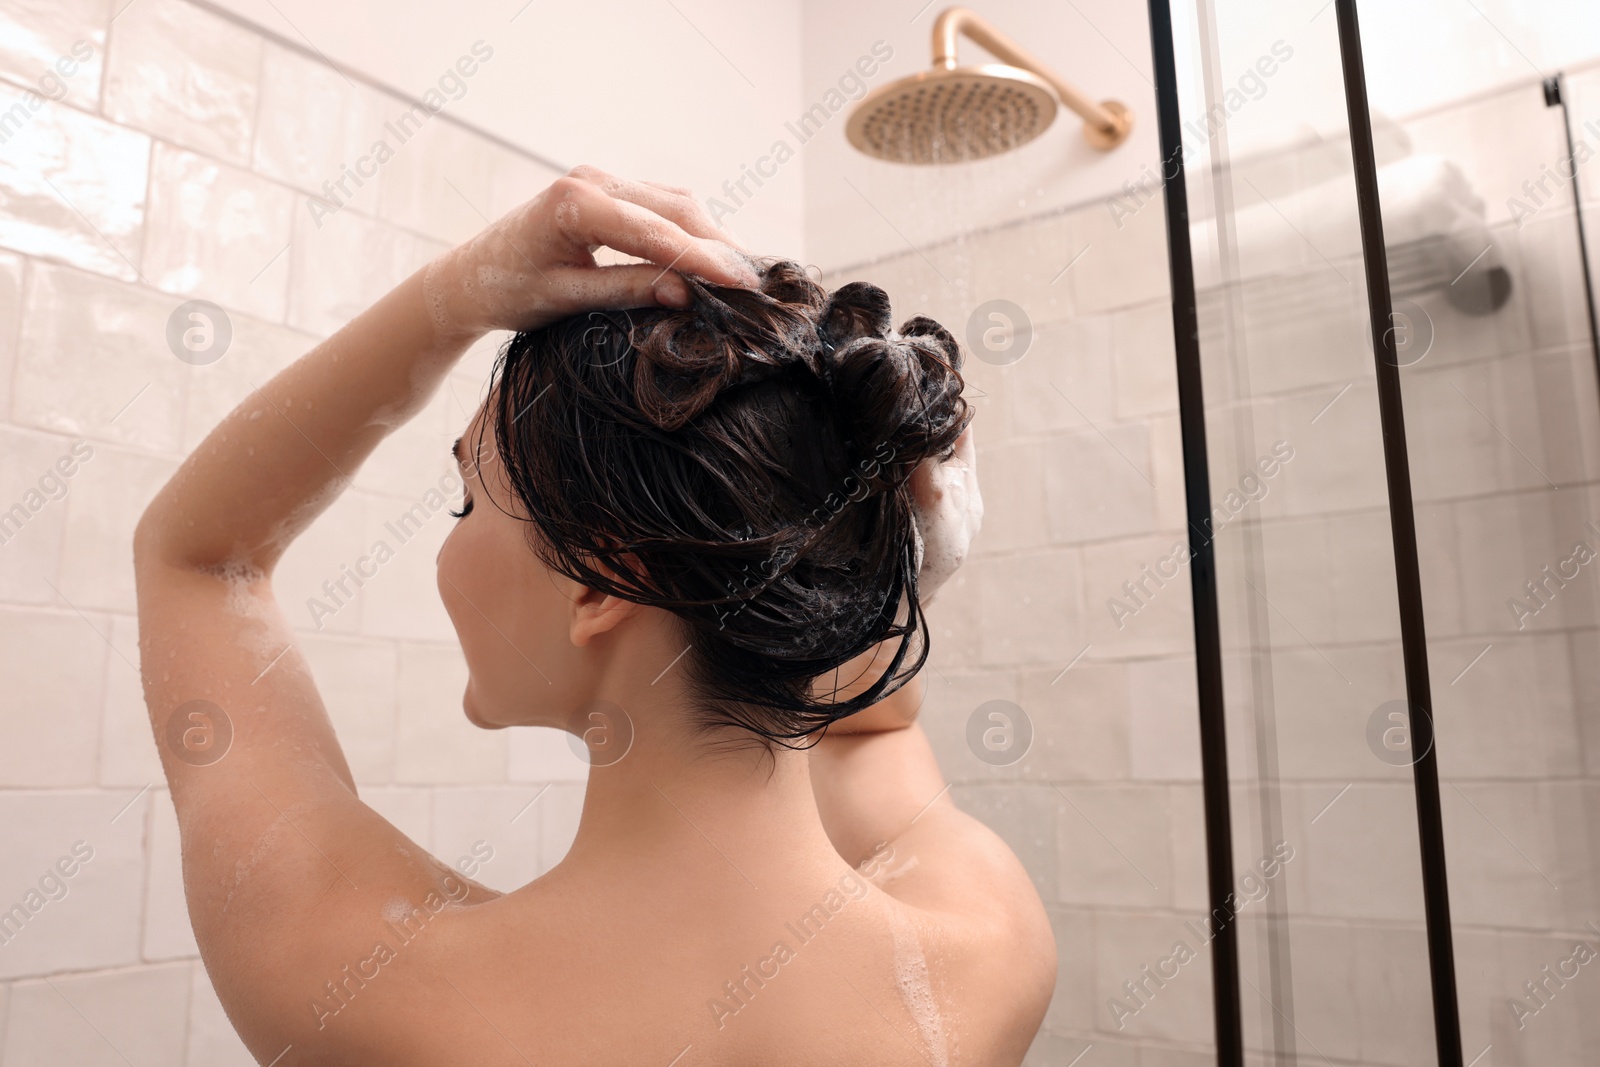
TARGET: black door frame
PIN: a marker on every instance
(1203, 576)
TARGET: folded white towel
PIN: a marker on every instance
(1426, 200)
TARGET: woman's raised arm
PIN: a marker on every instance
(282, 456)
(286, 871)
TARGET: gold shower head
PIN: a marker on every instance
(951, 114)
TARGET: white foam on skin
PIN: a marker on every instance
(916, 989)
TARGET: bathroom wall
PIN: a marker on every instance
(1077, 436)
(1081, 469)
(692, 92)
(178, 165)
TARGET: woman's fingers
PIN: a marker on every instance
(669, 201)
(623, 285)
(586, 215)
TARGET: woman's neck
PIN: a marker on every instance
(675, 796)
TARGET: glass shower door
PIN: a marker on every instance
(1491, 334)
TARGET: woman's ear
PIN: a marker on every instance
(595, 613)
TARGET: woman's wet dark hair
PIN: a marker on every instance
(743, 463)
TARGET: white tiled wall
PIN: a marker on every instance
(1081, 467)
(178, 166)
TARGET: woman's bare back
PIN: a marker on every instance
(720, 905)
(674, 954)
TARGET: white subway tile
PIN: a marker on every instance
(33, 511)
(514, 180)
(1393, 994)
(1081, 728)
(1164, 720)
(408, 808)
(1030, 608)
(1361, 568)
(212, 1040)
(167, 932)
(1156, 621)
(1507, 541)
(56, 47)
(314, 124)
(1360, 855)
(96, 924)
(1125, 264)
(73, 185)
(1113, 846)
(257, 352)
(1326, 989)
(1511, 714)
(1098, 484)
(491, 830)
(1562, 425)
(1480, 987)
(11, 272)
(1166, 472)
(1323, 697)
(179, 71)
(414, 456)
(342, 265)
(111, 494)
(1294, 585)
(128, 754)
(1557, 1026)
(1176, 1008)
(1011, 479)
(402, 599)
(1508, 857)
(1552, 278)
(544, 754)
(1440, 566)
(559, 812)
(54, 663)
(1073, 1006)
(94, 361)
(950, 701)
(132, 1016)
(1187, 831)
(1146, 360)
(439, 181)
(218, 233)
(1338, 445)
(357, 679)
(1026, 264)
(305, 579)
(1472, 430)
(1063, 382)
(468, 384)
(954, 622)
(436, 744)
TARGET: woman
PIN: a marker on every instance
(704, 504)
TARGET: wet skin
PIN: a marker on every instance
(720, 905)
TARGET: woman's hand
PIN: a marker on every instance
(949, 512)
(536, 264)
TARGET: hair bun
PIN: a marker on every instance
(900, 397)
(727, 336)
(741, 462)
(856, 309)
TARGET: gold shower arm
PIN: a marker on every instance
(1106, 123)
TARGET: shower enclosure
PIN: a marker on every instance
(1279, 666)
(1405, 632)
